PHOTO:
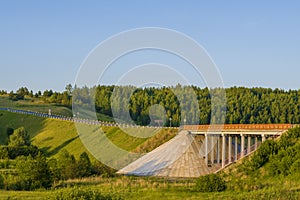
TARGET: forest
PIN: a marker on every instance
(178, 104)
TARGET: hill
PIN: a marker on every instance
(34, 104)
(39, 105)
(52, 135)
(274, 169)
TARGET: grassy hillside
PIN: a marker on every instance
(34, 104)
(53, 135)
(38, 105)
(273, 170)
(32, 124)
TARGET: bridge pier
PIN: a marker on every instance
(212, 156)
(256, 142)
(223, 149)
(242, 145)
(249, 144)
(235, 148)
(263, 137)
(206, 149)
(218, 150)
(229, 147)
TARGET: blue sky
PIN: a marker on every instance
(253, 43)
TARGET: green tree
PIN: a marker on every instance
(34, 172)
(67, 165)
(19, 138)
(31, 93)
(84, 166)
(23, 91)
(15, 96)
(54, 169)
(69, 89)
(262, 155)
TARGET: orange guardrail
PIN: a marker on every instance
(238, 127)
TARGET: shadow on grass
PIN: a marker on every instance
(58, 148)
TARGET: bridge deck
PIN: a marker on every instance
(239, 127)
(236, 129)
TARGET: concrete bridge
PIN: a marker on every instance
(224, 144)
(202, 149)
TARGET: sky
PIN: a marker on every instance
(253, 43)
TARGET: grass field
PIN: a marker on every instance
(156, 188)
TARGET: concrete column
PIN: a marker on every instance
(229, 147)
(249, 144)
(256, 142)
(263, 138)
(242, 145)
(235, 148)
(219, 150)
(223, 150)
(206, 149)
(212, 156)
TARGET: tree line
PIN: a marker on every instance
(243, 105)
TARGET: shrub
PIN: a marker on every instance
(14, 152)
(286, 162)
(20, 137)
(262, 155)
(289, 138)
(210, 183)
(295, 167)
(101, 169)
(84, 166)
(33, 172)
(3, 153)
(67, 164)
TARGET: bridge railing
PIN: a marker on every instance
(78, 120)
(238, 127)
(243, 153)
